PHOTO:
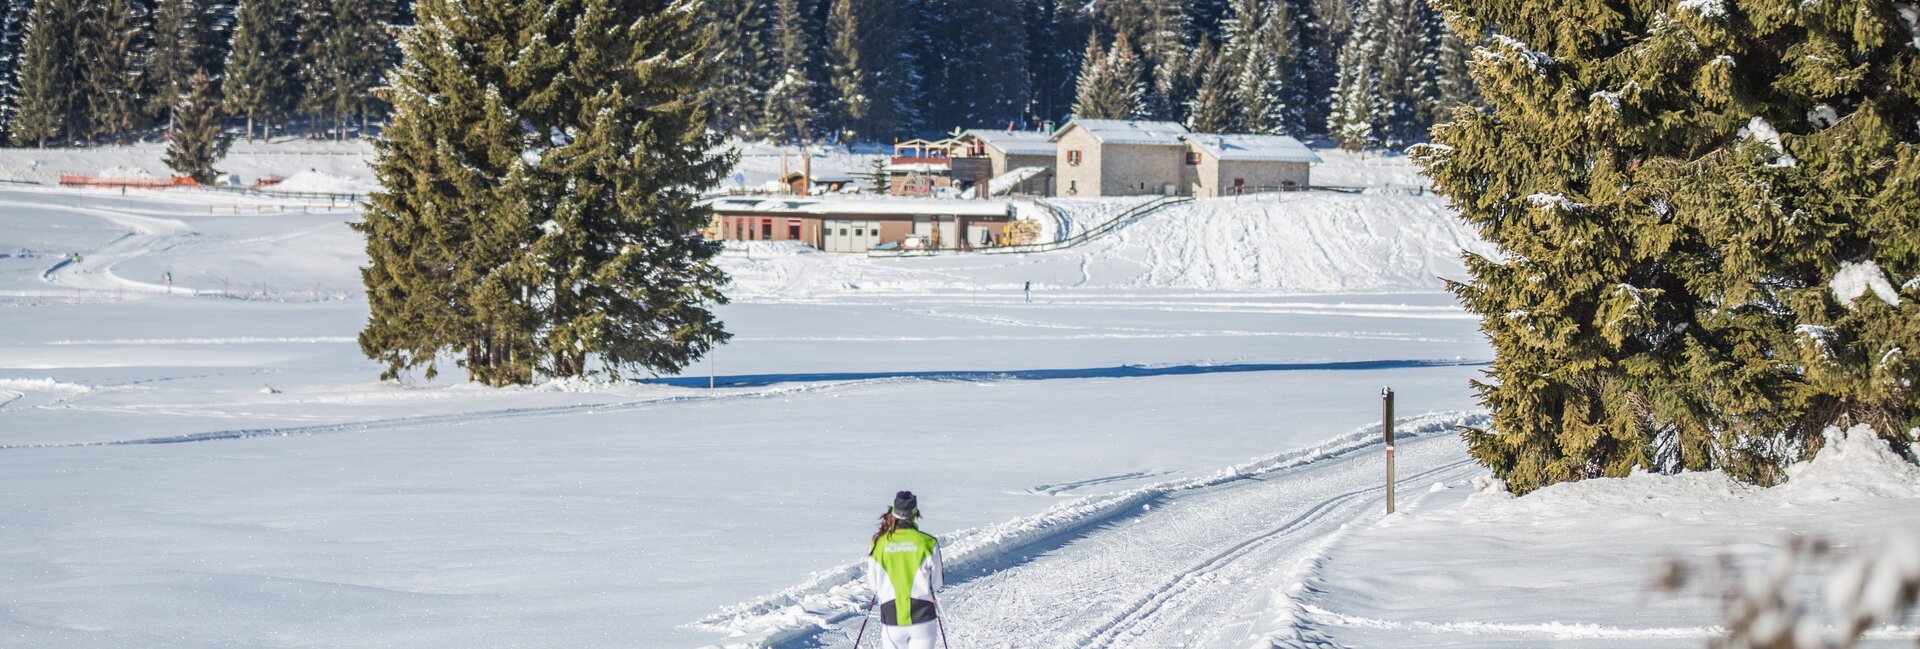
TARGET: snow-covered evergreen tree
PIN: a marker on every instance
(1212, 109)
(115, 46)
(983, 82)
(876, 86)
(178, 55)
(197, 140)
(1164, 52)
(345, 48)
(1388, 77)
(539, 180)
(1055, 30)
(1261, 91)
(740, 50)
(13, 39)
(260, 74)
(52, 107)
(1711, 223)
(788, 102)
(1109, 86)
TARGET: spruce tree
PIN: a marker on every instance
(788, 101)
(1261, 87)
(13, 37)
(1163, 47)
(1710, 213)
(985, 82)
(114, 47)
(874, 80)
(537, 215)
(1212, 108)
(741, 63)
(1055, 29)
(52, 106)
(1109, 86)
(178, 55)
(345, 49)
(260, 79)
(198, 138)
(1387, 77)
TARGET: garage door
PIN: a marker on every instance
(850, 236)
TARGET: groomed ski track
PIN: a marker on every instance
(1209, 562)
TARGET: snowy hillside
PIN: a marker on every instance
(1305, 242)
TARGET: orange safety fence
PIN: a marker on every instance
(125, 183)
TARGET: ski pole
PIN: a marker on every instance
(940, 621)
(863, 621)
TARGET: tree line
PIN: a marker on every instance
(75, 72)
(1366, 72)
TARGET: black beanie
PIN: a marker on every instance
(905, 505)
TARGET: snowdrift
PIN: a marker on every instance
(1444, 567)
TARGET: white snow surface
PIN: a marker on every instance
(250, 160)
(1582, 555)
(1856, 278)
(1304, 242)
(314, 180)
(1173, 444)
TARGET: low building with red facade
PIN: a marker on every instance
(855, 224)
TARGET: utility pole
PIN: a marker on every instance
(1386, 430)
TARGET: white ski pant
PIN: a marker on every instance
(918, 636)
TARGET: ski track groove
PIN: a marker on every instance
(1139, 614)
(1142, 612)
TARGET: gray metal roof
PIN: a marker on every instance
(1262, 148)
(1127, 131)
(1016, 142)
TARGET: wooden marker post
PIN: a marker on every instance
(1386, 430)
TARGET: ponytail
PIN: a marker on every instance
(888, 525)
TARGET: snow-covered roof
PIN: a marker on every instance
(1127, 131)
(1262, 148)
(922, 167)
(816, 206)
(1016, 142)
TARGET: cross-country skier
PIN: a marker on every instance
(903, 569)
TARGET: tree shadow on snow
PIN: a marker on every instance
(1119, 371)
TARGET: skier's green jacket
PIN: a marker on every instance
(904, 566)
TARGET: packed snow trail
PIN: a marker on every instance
(1176, 567)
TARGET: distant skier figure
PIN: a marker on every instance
(1028, 290)
(903, 569)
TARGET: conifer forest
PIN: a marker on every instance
(1368, 73)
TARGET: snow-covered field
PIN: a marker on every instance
(1169, 446)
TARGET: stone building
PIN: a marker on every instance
(1104, 157)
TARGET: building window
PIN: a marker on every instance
(1193, 157)
(793, 230)
(1073, 187)
(1073, 157)
(766, 229)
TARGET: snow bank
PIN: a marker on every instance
(43, 385)
(124, 171)
(314, 180)
(1576, 561)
